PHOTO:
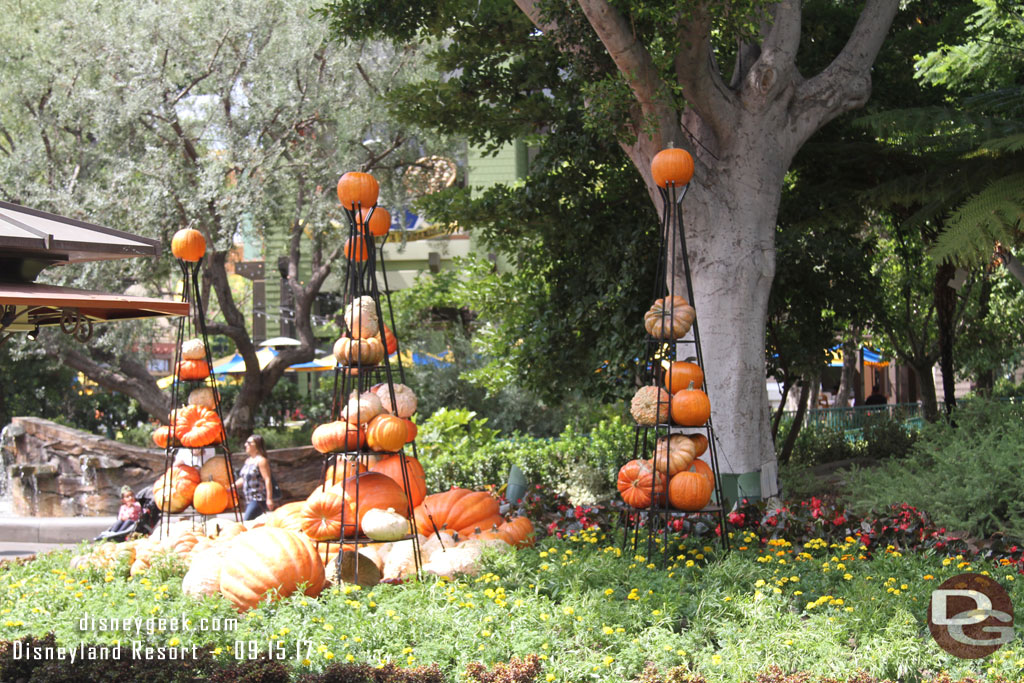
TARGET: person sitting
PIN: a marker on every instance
(254, 479)
(128, 514)
(877, 398)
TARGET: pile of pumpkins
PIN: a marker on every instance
(207, 489)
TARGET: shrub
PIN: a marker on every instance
(965, 472)
(887, 438)
(820, 444)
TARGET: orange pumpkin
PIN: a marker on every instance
(690, 408)
(341, 470)
(288, 516)
(682, 375)
(432, 513)
(173, 491)
(391, 343)
(391, 466)
(636, 482)
(197, 426)
(377, 224)
(210, 498)
(473, 509)
(386, 433)
(365, 352)
(673, 454)
(700, 441)
(188, 244)
(672, 166)
(520, 530)
(367, 491)
(193, 369)
(321, 515)
(689, 491)
(338, 436)
(479, 525)
(412, 430)
(356, 249)
(161, 435)
(357, 190)
(704, 469)
(269, 563)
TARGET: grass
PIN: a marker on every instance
(590, 612)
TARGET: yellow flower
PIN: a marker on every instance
(609, 591)
(549, 677)
(928, 577)
(716, 659)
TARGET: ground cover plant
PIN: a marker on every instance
(826, 604)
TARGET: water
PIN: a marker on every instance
(6, 458)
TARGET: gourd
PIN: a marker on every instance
(361, 408)
(672, 166)
(361, 317)
(452, 561)
(650, 406)
(636, 482)
(269, 563)
(690, 408)
(188, 244)
(203, 396)
(385, 525)
(669, 318)
(357, 190)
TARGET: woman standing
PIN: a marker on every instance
(254, 479)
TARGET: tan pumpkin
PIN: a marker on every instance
(669, 318)
(203, 576)
(193, 349)
(673, 454)
(363, 352)
(268, 563)
(216, 469)
(361, 408)
(650, 406)
(203, 396)
(361, 318)
(404, 403)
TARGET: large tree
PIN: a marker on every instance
(234, 119)
(657, 75)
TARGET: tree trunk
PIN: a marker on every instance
(986, 379)
(787, 384)
(945, 310)
(926, 385)
(798, 422)
(849, 373)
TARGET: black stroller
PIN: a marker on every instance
(146, 523)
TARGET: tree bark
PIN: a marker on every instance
(787, 384)
(945, 314)
(129, 378)
(926, 385)
(849, 374)
(798, 422)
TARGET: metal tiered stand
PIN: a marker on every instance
(191, 327)
(361, 281)
(656, 521)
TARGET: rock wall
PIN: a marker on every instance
(58, 471)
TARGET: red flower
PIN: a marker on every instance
(736, 518)
(865, 539)
(839, 520)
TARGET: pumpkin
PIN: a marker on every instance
(412, 429)
(405, 399)
(690, 408)
(161, 435)
(452, 561)
(228, 531)
(269, 563)
(700, 441)
(689, 491)
(203, 396)
(193, 349)
(432, 513)
(438, 542)
(474, 509)
(496, 533)
(188, 244)
(390, 341)
(203, 576)
(184, 543)
(356, 567)
(520, 531)
(362, 408)
(400, 561)
(391, 466)
(288, 516)
(704, 469)
(192, 369)
(364, 352)
(338, 436)
(683, 375)
(210, 498)
(650, 406)
(321, 515)
(386, 433)
(479, 525)
(673, 454)
(216, 469)
(637, 480)
(385, 525)
(173, 491)
(669, 318)
(367, 491)
(377, 223)
(197, 427)
(341, 469)
(672, 167)
(361, 317)
(356, 249)
(357, 190)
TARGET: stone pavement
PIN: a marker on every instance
(26, 536)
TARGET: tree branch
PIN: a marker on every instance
(775, 68)
(132, 379)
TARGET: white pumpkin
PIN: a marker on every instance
(203, 396)
(401, 561)
(193, 349)
(458, 560)
(362, 408)
(405, 399)
(438, 542)
(203, 576)
(384, 525)
(361, 318)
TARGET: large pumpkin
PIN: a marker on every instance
(669, 318)
(321, 515)
(341, 469)
(288, 516)
(269, 562)
(367, 491)
(672, 167)
(703, 469)
(673, 454)
(357, 190)
(650, 406)
(210, 498)
(338, 436)
(432, 513)
(197, 427)
(636, 482)
(683, 375)
(700, 441)
(386, 433)
(188, 244)
(690, 408)
(173, 491)
(391, 466)
(472, 510)
(689, 491)
(216, 469)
